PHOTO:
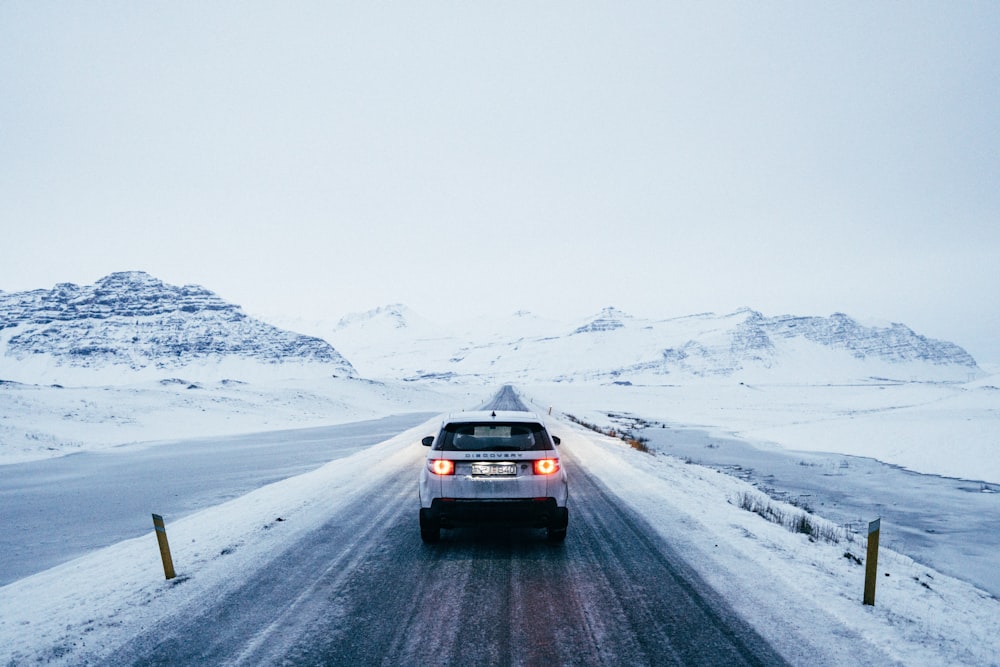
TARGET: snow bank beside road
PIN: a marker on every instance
(802, 595)
(86, 608)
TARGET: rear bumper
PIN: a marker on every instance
(534, 512)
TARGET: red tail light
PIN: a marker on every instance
(546, 466)
(442, 466)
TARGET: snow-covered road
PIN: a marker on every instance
(363, 590)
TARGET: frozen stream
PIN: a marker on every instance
(952, 525)
(54, 510)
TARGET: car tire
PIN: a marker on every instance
(430, 528)
(556, 535)
(557, 529)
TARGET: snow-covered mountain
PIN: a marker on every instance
(392, 341)
(609, 319)
(613, 346)
(131, 326)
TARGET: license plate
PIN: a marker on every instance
(493, 469)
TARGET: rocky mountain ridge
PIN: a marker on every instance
(133, 322)
(609, 319)
(896, 343)
(613, 346)
(396, 314)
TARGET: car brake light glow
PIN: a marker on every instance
(442, 466)
(546, 466)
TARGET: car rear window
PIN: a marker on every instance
(492, 436)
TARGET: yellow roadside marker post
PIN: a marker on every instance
(871, 563)
(161, 538)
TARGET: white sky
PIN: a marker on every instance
(314, 159)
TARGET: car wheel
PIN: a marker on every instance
(556, 534)
(430, 528)
(557, 529)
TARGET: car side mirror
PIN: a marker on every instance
(556, 439)
(428, 441)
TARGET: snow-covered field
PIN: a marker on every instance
(809, 601)
(38, 422)
(933, 428)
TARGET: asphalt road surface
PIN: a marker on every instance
(364, 590)
(506, 399)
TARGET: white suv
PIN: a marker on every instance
(493, 467)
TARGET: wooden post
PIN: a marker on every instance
(161, 538)
(871, 564)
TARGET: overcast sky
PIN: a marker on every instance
(314, 159)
